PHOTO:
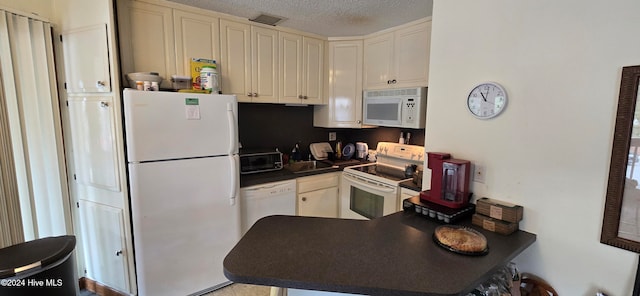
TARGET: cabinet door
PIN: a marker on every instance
(412, 55)
(103, 243)
(290, 68)
(404, 194)
(152, 40)
(235, 59)
(344, 108)
(264, 62)
(313, 70)
(378, 61)
(93, 137)
(197, 36)
(86, 60)
(319, 203)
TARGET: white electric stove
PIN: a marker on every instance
(372, 190)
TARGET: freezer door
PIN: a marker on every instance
(185, 221)
(170, 125)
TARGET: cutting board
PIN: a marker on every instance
(319, 150)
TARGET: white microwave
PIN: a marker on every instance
(402, 107)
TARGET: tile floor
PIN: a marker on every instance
(242, 290)
(231, 290)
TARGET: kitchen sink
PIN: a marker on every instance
(307, 166)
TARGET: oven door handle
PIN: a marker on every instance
(359, 181)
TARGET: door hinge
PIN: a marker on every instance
(74, 176)
(65, 85)
(78, 204)
(60, 37)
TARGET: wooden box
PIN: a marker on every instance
(494, 225)
(499, 210)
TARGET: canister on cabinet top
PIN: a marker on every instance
(209, 79)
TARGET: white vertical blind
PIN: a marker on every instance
(28, 76)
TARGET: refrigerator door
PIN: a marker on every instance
(169, 125)
(185, 220)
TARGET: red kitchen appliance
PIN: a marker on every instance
(449, 180)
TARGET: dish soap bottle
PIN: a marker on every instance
(295, 153)
(338, 150)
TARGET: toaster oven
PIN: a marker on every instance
(258, 162)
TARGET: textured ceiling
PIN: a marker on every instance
(330, 18)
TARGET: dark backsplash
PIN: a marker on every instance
(271, 126)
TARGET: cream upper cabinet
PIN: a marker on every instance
(196, 36)
(249, 62)
(147, 39)
(94, 142)
(344, 108)
(86, 60)
(264, 65)
(301, 69)
(399, 58)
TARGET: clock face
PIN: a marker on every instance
(487, 100)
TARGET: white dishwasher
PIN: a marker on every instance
(258, 201)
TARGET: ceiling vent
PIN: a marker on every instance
(266, 19)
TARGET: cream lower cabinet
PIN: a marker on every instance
(301, 69)
(105, 254)
(249, 62)
(399, 58)
(344, 106)
(318, 195)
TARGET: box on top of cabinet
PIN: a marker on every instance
(499, 210)
(196, 65)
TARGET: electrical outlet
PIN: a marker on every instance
(332, 136)
(479, 173)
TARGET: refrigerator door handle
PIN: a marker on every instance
(232, 129)
(235, 159)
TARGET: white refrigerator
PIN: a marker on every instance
(182, 154)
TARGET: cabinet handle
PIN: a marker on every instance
(100, 83)
(300, 97)
(304, 199)
(255, 95)
(249, 95)
(358, 121)
(104, 104)
(393, 81)
(118, 253)
(388, 81)
(305, 97)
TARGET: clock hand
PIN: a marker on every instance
(483, 97)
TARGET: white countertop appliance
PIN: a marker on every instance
(402, 107)
(184, 181)
(372, 190)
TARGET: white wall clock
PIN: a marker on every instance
(487, 100)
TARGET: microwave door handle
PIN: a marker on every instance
(379, 188)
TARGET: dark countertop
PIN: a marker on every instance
(391, 255)
(285, 174)
(409, 184)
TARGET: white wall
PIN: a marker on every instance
(42, 8)
(560, 62)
